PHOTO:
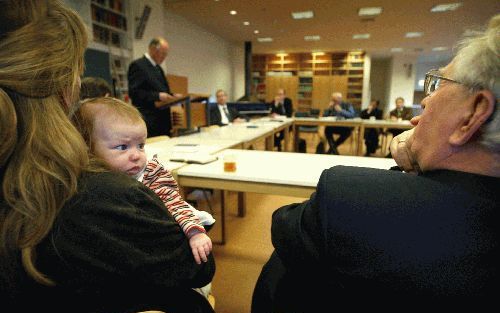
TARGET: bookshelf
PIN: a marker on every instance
(111, 32)
(318, 75)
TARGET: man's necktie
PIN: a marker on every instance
(227, 113)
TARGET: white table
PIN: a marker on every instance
(279, 173)
(279, 123)
(354, 123)
(168, 148)
(247, 133)
(383, 124)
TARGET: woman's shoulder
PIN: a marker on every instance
(105, 191)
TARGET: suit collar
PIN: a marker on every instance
(147, 56)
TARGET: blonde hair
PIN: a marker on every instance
(90, 109)
(41, 153)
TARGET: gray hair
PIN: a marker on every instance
(477, 65)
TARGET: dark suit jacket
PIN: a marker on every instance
(145, 82)
(384, 236)
(216, 119)
(285, 109)
(376, 112)
(405, 114)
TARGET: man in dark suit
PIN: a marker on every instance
(281, 105)
(428, 236)
(398, 114)
(221, 114)
(147, 84)
(371, 134)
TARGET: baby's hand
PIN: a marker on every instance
(201, 245)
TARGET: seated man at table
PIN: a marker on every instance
(371, 134)
(398, 114)
(221, 114)
(341, 110)
(280, 106)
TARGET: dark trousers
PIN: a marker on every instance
(395, 131)
(278, 137)
(343, 132)
(371, 140)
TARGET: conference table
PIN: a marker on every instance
(384, 125)
(277, 173)
(359, 125)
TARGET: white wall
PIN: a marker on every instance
(379, 80)
(367, 66)
(206, 59)
(402, 80)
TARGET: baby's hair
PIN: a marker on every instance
(93, 87)
(88, 110)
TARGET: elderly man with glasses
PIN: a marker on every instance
(425, 236)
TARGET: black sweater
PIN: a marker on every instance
(114, 248)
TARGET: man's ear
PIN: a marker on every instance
(482, 108)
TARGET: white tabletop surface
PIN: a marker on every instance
(171, 147)
(243, 132)
(285, 168)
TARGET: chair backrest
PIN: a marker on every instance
(302, 114)
(178, 119)
(315, 112)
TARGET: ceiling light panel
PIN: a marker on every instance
(312, 38)
(265, 39)
(446, 7)
(302, 15)
(414, 34)
(396, 49)
(370, 11)
(361, 36)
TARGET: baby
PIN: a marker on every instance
(116, 133)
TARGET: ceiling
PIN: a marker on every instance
(336, 22)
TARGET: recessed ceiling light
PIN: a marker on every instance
(446, 7)
(360, 36)
(396, 49)
(414, 34)
(370, 11)
(246, 23)
(256, 31)
(439, 48)
(302, 15)
(264, 39)
(318, 53)
(312, 38)
(233, 12)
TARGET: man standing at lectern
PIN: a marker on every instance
(147, 84)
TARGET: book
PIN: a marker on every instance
(193, 158)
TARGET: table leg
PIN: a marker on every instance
(295, 138)
(287, 138)
(361, 137)
(223, 197)
(242, 208)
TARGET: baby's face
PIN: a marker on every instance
(120, 143)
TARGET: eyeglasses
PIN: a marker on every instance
(433, 81)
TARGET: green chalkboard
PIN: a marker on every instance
(97, 65)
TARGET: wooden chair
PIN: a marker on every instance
(177, 119)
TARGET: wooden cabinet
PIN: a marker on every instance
(111, 32)
(317, 76)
